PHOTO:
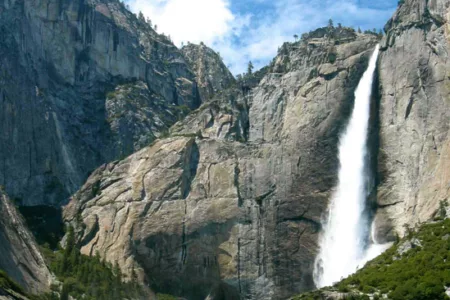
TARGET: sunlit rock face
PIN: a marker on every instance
(230, 204)
(81, 83)
(211, 73)
(414, 156)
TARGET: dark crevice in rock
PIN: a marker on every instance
(190, 168)
(388, 205)
(261, 198)
(377, 160)
(189, 173)
(409, 107)
(373, 147)
(239, 265)
(237, 171)
(373, 142)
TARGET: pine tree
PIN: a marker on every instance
(70, 245)
(141, 17)
(117, 272)
(330, 23)
(65, 292)
(250, 68)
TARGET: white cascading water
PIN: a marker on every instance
(346, 243)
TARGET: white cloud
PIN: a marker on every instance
(254, 34)
(267, 32)
(188, 20)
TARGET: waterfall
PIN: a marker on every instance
(346, 242)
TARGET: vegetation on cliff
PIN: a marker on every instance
(79, 276)
(417, 267)
(7, 283)
(87, 277)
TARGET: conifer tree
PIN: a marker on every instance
(141, 17)
(250, 68)
(330, 23)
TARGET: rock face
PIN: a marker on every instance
(414, 159)
(19, 254)
(211, 73)
(229, 205)
(81, 83)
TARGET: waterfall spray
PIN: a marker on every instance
(345, 243)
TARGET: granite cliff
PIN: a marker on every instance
(229, 205)
(414, 116)
(81, 83)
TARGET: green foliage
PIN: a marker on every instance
(7, 283)
(87, 277)
(166, 297)
(442, 211)
(111, 94)
(420, 273)
(320, 295)
(332, 57)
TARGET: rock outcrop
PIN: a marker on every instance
(211, 73)
(19, 255)
(414, 155)
(229, 205)
(82, 83)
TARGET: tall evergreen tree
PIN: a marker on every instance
(250, 68)
(330, 23)
(141, 17)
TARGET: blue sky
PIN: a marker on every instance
(254, 29)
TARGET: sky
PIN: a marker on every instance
(252, 30)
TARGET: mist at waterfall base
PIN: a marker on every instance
(347, 241)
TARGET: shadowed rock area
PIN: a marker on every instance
(19, 255)
(81, 83)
